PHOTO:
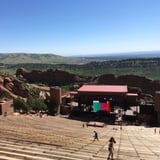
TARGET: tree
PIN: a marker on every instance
(36, 104)
(34, 91)
(31, 102)
(20, 104)
(52, 107)
(40, 105)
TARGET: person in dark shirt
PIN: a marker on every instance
(95, 136)
(110, 147)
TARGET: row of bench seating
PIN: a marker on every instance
(32, 137)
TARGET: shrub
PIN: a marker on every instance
(52, 107)
(36, 104)
(20, 104)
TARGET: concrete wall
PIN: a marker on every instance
(157, 101)
(157, 105)
(6, 107)
(56, 95)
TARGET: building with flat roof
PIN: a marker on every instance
(116, 95)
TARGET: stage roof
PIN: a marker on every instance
(104, 88)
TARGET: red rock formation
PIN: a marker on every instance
(50, 77)
(16, 87)
(146, 85)
(3, 89)
(59, 77)
(1, 79)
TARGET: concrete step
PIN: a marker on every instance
(8, 158)
(46, 153)
(19, 156)
(24, 150)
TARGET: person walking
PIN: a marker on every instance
(95, 136)
(110, 148)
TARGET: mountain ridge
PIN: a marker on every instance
(20, 58)
(49, 58)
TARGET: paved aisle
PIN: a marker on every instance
(138, 143)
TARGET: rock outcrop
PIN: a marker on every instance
(59, 78)
(51, 77)
(15, 86)
(142, 83)
(4, 90)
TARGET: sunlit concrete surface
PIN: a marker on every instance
(48, 138)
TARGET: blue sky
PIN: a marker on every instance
(74, 27)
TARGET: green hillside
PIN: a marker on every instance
(148, 67)
(21, 58)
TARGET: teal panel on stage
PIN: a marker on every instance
(96, 106)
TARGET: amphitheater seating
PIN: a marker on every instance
(30, 137)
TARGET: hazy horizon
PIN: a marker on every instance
(128, 54)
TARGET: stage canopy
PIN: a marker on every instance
(104, 88)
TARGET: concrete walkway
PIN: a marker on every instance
(137, 143)
(49, 138)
